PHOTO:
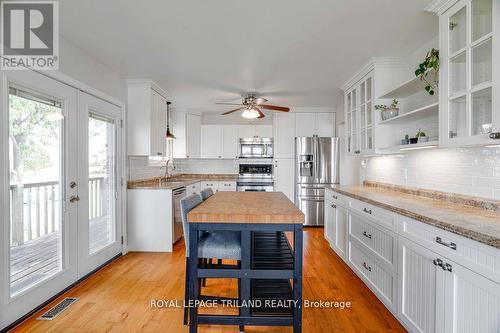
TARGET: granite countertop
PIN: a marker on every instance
(176, 181)
(471, 217)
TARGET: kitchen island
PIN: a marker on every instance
(268, 261)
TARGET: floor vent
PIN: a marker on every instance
(57, 309)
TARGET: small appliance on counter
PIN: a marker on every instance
(255, 178)
(256, 148)
(316, 166)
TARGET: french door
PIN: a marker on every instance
(59, 197)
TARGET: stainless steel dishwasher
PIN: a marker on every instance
(177, 195)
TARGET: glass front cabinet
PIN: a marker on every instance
(359, 117)
(469, 73)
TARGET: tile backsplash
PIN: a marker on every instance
(469, 171)
(140, 167)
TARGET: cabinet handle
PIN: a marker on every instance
(334, 206)
(451, 245)
(367, 235)
(495, 136)
(438, 262)
(368, 211)
(447, 267)
(368, 268)
(335, 197)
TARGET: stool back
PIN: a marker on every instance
(206, 193)
(187, 204)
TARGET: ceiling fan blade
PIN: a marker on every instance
(274, 108)
(228, 103)
(228, 112)
(261, 115)
(260, 100)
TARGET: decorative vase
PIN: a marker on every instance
(389, 113)
(413, 140)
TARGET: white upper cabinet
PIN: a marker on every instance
(264, 131)
(252, 131)
(284, 135)
(230, 139)
(211, 141)
(192, 136)
(315, 123)
(147, 118)
(469, 73)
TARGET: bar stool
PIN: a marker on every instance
(219, 245)
(206, 193)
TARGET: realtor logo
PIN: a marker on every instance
(30, 35)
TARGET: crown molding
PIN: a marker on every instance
(375, 62)
(439, 6)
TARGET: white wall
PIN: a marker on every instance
(469, 171)
(81, 66)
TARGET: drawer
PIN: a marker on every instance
(378, 215)
(208, 184)
(381, 282)
(336, 198)
(381, 241)
(476, 256)
(227, 186)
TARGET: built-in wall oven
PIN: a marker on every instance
(255, 178)
(256, 148)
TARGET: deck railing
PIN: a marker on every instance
(35, 208)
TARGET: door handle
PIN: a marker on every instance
(438, 262)
(74, 198)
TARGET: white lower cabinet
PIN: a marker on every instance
(284, 177)
(336, 227)
(193, 189)
(432, 280)
(227, 186)
(219, 186)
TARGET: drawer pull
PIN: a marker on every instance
(368, 211)
(447, 267)
(438, 262)
(451, 245)
(335, 197)
(367, 235)
(334, 206)
(368, 268)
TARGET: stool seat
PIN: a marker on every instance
(220, 245)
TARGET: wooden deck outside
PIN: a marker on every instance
(39, 258)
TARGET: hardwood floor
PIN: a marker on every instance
(117, 298)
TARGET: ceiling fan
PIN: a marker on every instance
(252, 106)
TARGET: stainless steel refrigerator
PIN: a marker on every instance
(316, 166)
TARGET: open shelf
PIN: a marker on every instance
(404, 89)
(423, 145)
(414, 114)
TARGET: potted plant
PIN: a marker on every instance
(421, 137)
(428, 71)
(388, 111)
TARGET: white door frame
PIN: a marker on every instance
(87, 262)
(52, 78)
(19, 305)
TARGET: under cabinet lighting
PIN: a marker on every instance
(416, 148)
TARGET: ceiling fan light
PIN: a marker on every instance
(250, 114)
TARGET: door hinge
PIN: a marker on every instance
(122, 240)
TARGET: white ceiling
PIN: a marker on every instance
(295, 52)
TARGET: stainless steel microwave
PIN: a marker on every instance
(256, 148)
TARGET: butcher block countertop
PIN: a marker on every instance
(471, 217)
(247, 207)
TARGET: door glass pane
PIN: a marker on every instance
(362, 99)
(363, 140)
(369, 113)
(481, 63)
(481, 112)
(369, 89)
(36, 169)
(369, 138)
(457, 27)
(481, 18)
(363, 116)
(457, 74)
(458, 117)
(348, 128)
(102, 184)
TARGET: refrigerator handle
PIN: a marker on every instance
(317, 160)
